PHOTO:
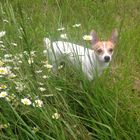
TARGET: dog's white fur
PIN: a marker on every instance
(90, 62)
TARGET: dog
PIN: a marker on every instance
(92, 61)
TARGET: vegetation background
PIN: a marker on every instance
(36, 103)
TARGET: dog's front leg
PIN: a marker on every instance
(87, 73)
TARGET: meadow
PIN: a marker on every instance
(37, 104)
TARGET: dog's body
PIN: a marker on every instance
(88, 59)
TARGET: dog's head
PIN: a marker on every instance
(104, 49)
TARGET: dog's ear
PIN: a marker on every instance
(114, 36)
(95, 38)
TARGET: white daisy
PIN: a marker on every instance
(21, 62)
(38, 71)
(3, 94)
(3, 126)
(16, 68)
(30, 61)
(33, 53)
(48, 66)
(64, 36)
(61, 29)
(42, 89)
(20, 86)
(5, 20)
(12, 75)
(35, 129)
(4, 71)
(26, 101)
(8, 60)
(87, 37)
(76, 25)
(8, 55)
(60, 67)
(14, 44)
(20, 37)
(45, 77)
(45, 52)
(2, 33)
(1, 63)
(40, 83)
(3, 86)
(38, 103)
(56, 116)
(2, 46)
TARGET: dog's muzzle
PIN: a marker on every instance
(107, 58)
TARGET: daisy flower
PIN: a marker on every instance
(14, 44)
(4, 70)
(2, 33)
(42, 89)
(7, 55)
(1, 63)
(3, 86)
(16, 68)
(20, 86)
(76, 25)
(45, 52)
(2, 126)
(38, 71)
(48, 66)
(87, 37)
(64, 36)
(60, 67)
(5, 20)
(56, 116)
(30, 61)
(61, 29)
(33, 53)
(40, 83)
(45, 77)
(38, 103)
(26, 101)
(35, 129)
(12, 75)
(3, 94)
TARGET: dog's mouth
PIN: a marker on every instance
(106, 61)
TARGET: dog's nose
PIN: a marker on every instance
(107, 58)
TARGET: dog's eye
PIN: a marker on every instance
(110, 50)
(99, 51)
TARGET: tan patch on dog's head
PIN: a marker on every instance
(101, 46)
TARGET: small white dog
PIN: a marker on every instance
(92, 61)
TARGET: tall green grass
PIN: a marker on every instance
(73, 108)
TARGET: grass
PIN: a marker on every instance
(73, 108)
